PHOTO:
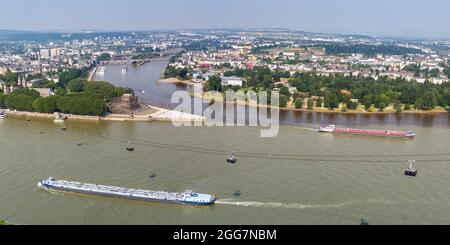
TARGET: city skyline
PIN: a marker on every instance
(400, 18)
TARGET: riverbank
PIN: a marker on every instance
(92, 73)
(157, 114)
(178, 81)
(291, 107)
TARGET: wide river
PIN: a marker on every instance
(299, 177)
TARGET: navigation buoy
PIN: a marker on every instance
(411, 171)
(232, 158)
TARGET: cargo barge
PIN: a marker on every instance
(367, 132)
(187, 197)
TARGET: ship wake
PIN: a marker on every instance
(299, 205)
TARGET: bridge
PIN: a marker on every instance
(128, 59)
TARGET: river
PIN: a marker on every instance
(299, 177)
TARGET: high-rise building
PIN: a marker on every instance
(54, 52)
(45, 53)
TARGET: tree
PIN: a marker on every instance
(10, 77)
(65, 77)
(398, 108)
(298, 103)
(351, 105)
(60, 91)
(283, 101)
(82, 105)
(429, 101)
(382, 106)
(20, 102)
(3, 101)
(213, 84)
(310, 104)
(331, 100)
(28, 92)
(419, 104)
(407, 107)
(46, 105)
(319, 102)
(367, 101)
(285, 91)
(104, 90)
(384, 99)
(77, 85)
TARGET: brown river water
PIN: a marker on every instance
(298, 177)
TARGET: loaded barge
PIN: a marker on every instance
(367, 132)
(187, 197)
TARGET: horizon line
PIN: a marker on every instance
(105, 30)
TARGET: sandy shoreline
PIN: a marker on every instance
(178, 81)
(161, 114)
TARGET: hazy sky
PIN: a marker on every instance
(391, 17)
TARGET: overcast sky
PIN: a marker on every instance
(429, 18)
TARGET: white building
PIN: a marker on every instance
(44, 92)
(232, 81)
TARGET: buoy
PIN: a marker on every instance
(232, 158)
(411, 171)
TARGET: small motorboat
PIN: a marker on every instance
(232, 158)
(59, 119)
(411, 171)
(2, 115)
(130, 147)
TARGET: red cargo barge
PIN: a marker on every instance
(367, 132)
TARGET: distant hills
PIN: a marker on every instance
(67, 35)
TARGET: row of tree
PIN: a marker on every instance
(349, 90)
(79, 104)
(75, 96)
(172, 71)
(367, 49)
